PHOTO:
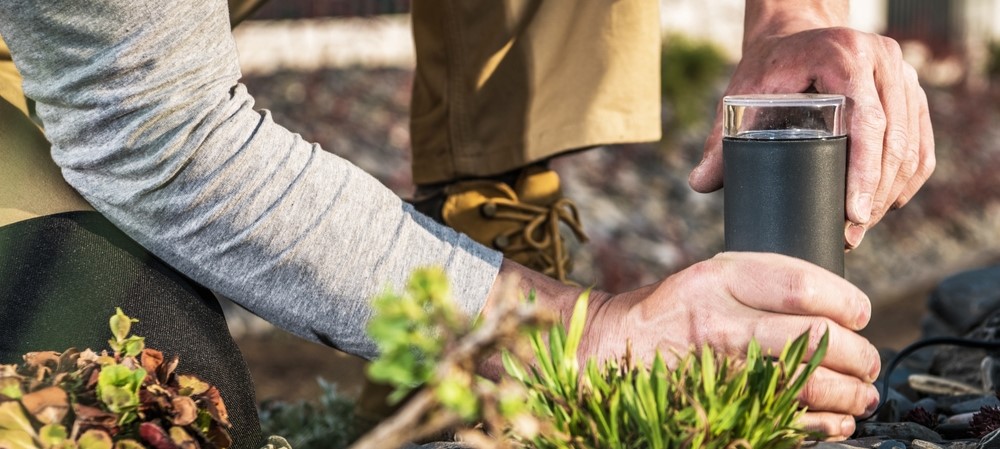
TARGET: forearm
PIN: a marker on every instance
(147, 119)
(782, 17)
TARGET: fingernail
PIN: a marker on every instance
(847, 426)
(854, 234)
(863, 207)
(873, 402)
(874, 370)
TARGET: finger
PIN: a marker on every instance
(831, 426)
(927, 159)
(891, 87)
(830, 391)
(912, 159)
(786, 285)
(847, 352)
(866, 127)
(707, 176)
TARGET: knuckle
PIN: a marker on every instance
(872, 118)
(897, 143)
(891, 47)
(799, 287)
(909, 166)
(927, 166)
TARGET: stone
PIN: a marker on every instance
(989, 369)
(848, 444)
(926, 383)
(929, 404)
(905, 431)
(965, 299)
(891, 444)
(991, 440)
(923, 444)
(894, 408)
(945, 403)
(975, 404)
(962, 444)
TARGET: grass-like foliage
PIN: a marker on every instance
(705, 401)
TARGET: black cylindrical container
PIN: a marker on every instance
(785, 162)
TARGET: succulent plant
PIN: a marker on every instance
(985, 421)
(921, 416)
(128, 398)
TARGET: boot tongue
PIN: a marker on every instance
(538, 186)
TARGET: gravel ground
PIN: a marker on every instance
(644, 221)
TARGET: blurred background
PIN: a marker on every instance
(339, 73)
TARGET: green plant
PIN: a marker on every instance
(129, 398)
(689, 70)
(325, 423)
(706, 401)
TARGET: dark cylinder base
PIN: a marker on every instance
(787, 197)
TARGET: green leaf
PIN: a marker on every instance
(576, 324)
(457, 397)
(52, 435)
(118, 387)
(128, 444)
(133, 346)
(16, 439)
(11, 387)
(12, 417)
(94, 439)
(121, 324)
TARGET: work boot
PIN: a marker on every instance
(521, 219)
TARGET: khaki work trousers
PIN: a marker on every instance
(501, 84)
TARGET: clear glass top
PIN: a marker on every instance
(784, 116)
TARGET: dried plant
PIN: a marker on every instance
(128, 398)
(921, 416)
(985, 421)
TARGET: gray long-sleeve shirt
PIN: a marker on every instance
(141, 101)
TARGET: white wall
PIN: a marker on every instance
(721, 21)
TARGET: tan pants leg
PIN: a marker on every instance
(503, 83)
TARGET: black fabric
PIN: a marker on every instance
(61, 277)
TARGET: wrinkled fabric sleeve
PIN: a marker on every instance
(142, 102)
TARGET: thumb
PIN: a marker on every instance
(707, 176)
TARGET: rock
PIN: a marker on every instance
(965, 364)
(905, 431)
(945, 403)
(962, 444)
(922, 444)
(989, 369)
(891, 444)
(991, 440)
(975, 404)
(965, 299)
(894, 408)
(926, 383)
(928, 404)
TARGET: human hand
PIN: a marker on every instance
(732, 298)
(891, 151)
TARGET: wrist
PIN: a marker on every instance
(768, 18)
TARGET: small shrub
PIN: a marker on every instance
(325, 423)
(689, 73)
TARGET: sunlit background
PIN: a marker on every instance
(339, 73)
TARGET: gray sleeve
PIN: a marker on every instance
(141, 101)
